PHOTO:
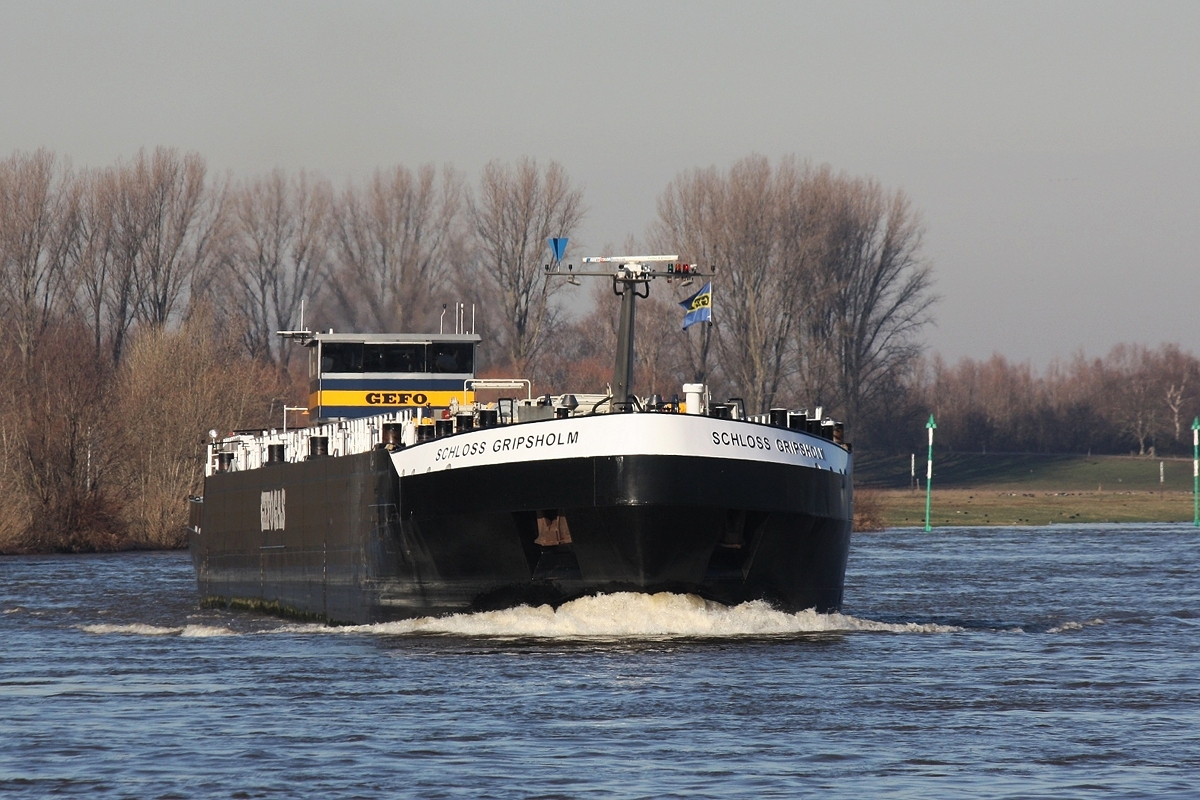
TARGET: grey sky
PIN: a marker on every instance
(1054, 148)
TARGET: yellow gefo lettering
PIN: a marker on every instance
(396, 398)
(407, 399)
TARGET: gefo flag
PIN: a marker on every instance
(698, 306)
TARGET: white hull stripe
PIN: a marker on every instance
(623, 434)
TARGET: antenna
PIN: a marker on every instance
(303, 334)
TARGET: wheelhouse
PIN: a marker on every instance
(354, 375)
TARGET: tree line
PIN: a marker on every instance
(819, 298)
(1135, 399)
(140, 302)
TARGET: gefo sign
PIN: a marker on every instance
(271, 509)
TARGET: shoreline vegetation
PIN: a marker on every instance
(141, 301)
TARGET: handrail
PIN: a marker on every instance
(473, 384)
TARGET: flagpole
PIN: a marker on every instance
(712, 299)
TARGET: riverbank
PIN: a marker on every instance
(968, 489)
(1023, 489)
(906, 508)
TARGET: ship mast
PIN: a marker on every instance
(630, 282)
(631, 277)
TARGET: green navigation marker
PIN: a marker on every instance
(929, 471)
(1196, 472)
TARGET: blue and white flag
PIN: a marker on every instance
(698, 307)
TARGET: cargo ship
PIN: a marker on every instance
(408, 495)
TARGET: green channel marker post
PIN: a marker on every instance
(1196, 472)
(929, 471)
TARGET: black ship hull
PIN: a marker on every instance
(354, 539)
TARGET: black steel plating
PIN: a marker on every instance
(356, 543)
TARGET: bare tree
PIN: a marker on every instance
(391, 238)
(39, 218)
(94, 256)
(877, 292)
(57, 437)
(173, 385)
(1132, 384)
(164, 228)
(687, 224)
(1179, 372)
(1174, 400)
(181, 222)
(278, 251)
(129, 229)
(518, 207)
(760, 225)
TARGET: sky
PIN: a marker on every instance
(1053, 148)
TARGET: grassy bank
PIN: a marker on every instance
(902, 507)
(1026, 489)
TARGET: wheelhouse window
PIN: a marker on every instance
(452, 357)
(341, 357)
(394, 358)
(443, 357)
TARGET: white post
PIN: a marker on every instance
(1196, 472)
(288, 408)
(692, 392)
(929, 472)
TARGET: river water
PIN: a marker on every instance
(1004, 662)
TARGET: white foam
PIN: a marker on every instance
(1074, 626)
(206, 631)
(134, 629)
(189, 631)
(633, 615)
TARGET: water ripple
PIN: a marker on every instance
(968, 663)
